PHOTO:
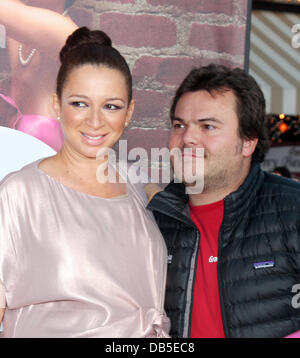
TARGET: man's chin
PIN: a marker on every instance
(193, 185)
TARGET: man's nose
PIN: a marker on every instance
(191, 136)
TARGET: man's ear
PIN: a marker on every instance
(249, 146)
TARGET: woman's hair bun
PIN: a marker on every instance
(83, 36)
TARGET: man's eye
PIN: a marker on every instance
(178, 125)
(209, 127)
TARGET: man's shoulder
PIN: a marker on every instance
(281, 189)
(281, 184)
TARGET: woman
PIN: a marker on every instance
(36, 31)
(79, 258)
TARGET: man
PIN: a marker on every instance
(234, 248)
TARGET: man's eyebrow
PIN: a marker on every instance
(177, 119)
(208, 119)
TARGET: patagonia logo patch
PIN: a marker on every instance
(263, 264)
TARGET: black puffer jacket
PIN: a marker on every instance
(261, 224)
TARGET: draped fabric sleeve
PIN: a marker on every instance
(2, 296)
(8, 210)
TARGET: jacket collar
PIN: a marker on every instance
(172, 201)
(237, 203)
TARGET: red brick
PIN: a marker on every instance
(229, 39)
(146, 138)
(202, 6)
(220, 61)
(171, 71)
(139, 30)
(4, 60)
(81, 17)
(243, 7)
(149, 104)
(168, 71)
(123, 1)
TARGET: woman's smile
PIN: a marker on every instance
(94, 109)
(92, 139)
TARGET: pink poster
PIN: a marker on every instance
(160, 39)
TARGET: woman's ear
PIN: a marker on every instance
(56, 105)
(129, 113)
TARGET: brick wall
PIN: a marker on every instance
(162, 40)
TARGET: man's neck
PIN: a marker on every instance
(214, 195)
(208, 198)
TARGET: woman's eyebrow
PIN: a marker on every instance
(87, 97)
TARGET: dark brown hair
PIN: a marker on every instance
(93, 47)
(250, 102)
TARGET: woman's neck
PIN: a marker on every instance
(85, 168)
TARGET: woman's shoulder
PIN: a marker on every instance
(136, 178)
(19, 178)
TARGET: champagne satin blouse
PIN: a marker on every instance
(76, 265)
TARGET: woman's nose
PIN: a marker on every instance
(95, 119)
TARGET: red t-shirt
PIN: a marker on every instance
(206, 314)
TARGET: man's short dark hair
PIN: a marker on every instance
(249, 99)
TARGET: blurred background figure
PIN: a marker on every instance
(282, 171)
(295, 177)
(35, 32)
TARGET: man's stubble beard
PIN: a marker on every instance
(218, 179)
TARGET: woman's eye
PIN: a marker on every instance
(112, 107)
(78, 104)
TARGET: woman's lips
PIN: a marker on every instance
(92, 139)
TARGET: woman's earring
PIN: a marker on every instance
(58, 118)
(126, 124)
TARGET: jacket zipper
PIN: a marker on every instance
(194, 261)
(221, 289)
(190, 290)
